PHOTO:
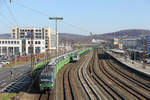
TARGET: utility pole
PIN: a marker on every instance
(47, 56)
(56, 19)
(32, 51)
(31, 37)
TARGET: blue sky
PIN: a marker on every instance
(85, 16)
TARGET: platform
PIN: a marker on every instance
(133, 64)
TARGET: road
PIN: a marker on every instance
(17, 72)
(13, 79)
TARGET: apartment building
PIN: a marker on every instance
(36, 32)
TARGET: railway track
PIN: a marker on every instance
(45, 96)
(67, 88)
(108, 92)
(120, 82)
(70, 89)
(140, 82)
(124, 91)
(96, 76)
(86, 82)
(76, 82)
(68, 83)
(133, 82)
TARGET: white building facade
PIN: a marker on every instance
(38, 46)
(10, 47)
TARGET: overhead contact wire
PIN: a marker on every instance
(44, 14)
(11, 13)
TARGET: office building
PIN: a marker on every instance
(125, 43)
(147, 43)
(10, 47)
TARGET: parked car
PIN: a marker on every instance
(147, 61)
(5, 62)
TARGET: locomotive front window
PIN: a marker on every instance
(47, 77)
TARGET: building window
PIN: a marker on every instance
(35, 42)
(39, 42)
(36, 37)
(45, 33)
(4, 50)
(17, 42)
(5, 42)
(28, 42)
(12, 42)
(30, 49)
(16, 50)
(10, 51)
(13, 30)
(45, 37)
(2, 42)
(46, 30)
(8, 42)
(46, 42)
(21, 36)
(37, 50)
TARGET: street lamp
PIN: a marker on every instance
(56, 19)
